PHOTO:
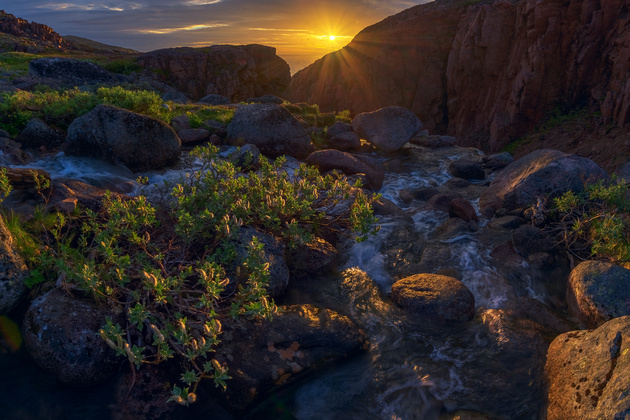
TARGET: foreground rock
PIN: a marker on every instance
(236, 72)
(113, 134)
(388, 128)
(272, 129)
(436, 296)
(598, 292)
(542, 174)
(589, 373)
(61, 333)
(13, 271)
(261, 356)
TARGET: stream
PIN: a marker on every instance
(413, 369)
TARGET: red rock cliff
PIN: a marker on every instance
(485, 71)
(44, 35)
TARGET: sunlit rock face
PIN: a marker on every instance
(236, 72)
(485, 71)
(588, 373)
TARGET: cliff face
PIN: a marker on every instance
(42, 36)
(483, 71)
(237, 72)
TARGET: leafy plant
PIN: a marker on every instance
(596, 223)
(167, 266)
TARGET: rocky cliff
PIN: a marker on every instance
(41, 36)
(237, 72)
(485, 71)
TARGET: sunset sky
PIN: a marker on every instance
(301, 30)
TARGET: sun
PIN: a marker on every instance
(332, 37)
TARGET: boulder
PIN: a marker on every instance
(236, 72)
(13, 271)
(541, 174)
(345, 141)
(326, 160)
(261, 356)
(271, 128)
(215, 99)
(435, 296)
(65, 190)
(176, 96)
(70, 71)
(530, 240)
(61, 333)
(194, 135)
(37, 133)
(597, 292)
(433, 142)
(460, 207)
(337, 128)
(467, 169)
(139, 142)
(388, 128)
(311, 259)
(589, 372)
(266, 99)
(497, 161)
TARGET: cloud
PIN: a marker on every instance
(171, 30)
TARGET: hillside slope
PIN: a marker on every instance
(486, 71)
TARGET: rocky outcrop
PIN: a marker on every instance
(484, 71)
(272, 129)
(236, 72)
(42, 35)
(542, 174)
(597, 292)
(69, 71)
(588, 373)
(139, 142)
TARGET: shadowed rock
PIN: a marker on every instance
(388, 128)
(13, 271)
(326, 160)
(70, 71)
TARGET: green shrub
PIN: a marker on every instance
(165, 266)
(596, 223)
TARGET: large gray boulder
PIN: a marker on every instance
(541, 174)
(70, 71)
(61, 333)
(388, 128)
(272, 129)
(438, 297)
(589, 372)
(13, 270)
(598, 291)
(326, 160)
(113, 134)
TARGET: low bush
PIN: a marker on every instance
(166, 266)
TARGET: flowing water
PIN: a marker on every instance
(414, 369)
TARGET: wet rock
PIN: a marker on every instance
(406, 196)
(61, 333)
(13, 271)
(545, 174)
(37, 133)
(442, 201)
(70, 71)
(311, 259)
(507, 222)
(466, 169)
(262, 356)
(598, 292)
(272, 129)
(435, 296)
(215, 99)
(326, 160)
(458, 183)
(589, 372)
(139, 142)
(337, 128)
(345, 141)
(194, 135)
(388, 128)
(459, 207)
(425, 193)
(497, 161)
(454, 227)
(385, 207)
(402, 250)
(529, 240)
